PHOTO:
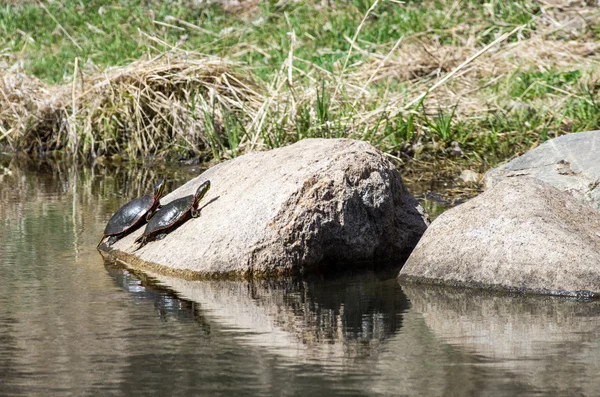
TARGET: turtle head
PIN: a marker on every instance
(200, 193)
(159, 190)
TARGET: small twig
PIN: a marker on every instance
(565, 92)
(363, 52)
(5, 134)
(190, 25)
(452, 9)
(394, 157)
(169, 25)
(95, 29)
(290, 59)
(157, 40)
(317, 67)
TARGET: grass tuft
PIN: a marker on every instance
(165, 105)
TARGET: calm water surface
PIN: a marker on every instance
(72, 324)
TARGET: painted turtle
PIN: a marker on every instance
(133, 214)
(170, 216)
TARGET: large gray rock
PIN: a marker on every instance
(570, 163)
(521, 234)
(303, 207)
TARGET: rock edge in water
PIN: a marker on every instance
(521, 235)
(314, 206)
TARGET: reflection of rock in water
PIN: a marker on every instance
(317, 319)
(166, 303)
(289, 338)
(545, 344)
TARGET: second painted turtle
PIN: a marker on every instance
(172, 215)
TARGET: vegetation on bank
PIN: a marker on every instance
(424, 81)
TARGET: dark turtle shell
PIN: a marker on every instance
(173, 214)
(129, 215)
(133, 214)
(169, 215)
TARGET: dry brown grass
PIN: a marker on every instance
(560, 42)
(140, 109)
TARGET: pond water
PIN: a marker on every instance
(72, 324)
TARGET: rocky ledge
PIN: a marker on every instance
(313, 206)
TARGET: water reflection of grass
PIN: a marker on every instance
(101, 190)
(296, 70)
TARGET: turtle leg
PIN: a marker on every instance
(160, 236)
(143, 240)
(195, 213)
(150, 215)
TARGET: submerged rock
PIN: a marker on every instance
(313, 205)
(521, 234)
(570, 163)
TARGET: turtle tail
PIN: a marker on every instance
(101, 240)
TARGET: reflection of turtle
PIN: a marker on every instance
(133, 214)
(172, 215)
